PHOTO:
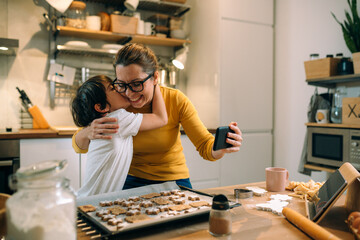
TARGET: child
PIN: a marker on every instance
(108, 161)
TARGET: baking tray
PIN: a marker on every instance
(107, 230)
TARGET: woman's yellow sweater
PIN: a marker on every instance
(158, 154)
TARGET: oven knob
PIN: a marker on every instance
(354, 144)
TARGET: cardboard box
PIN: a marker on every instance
(321, 68)
(351, 110)
(123, 24)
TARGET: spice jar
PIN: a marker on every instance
(75, 15)
(220, 216)
(43, 207)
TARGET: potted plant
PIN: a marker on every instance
(351, 31)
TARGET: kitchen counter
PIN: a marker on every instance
(53, 132)
(248, 223)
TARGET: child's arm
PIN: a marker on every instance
(158, 117)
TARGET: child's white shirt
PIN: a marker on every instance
(108, 161)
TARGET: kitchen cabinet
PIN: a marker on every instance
(233, 55)
(203, 173)
(36, 150)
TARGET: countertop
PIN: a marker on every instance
(53, 132)
(248, 223)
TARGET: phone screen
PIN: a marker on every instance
(327, 193)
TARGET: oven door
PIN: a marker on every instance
(9, 162)
(7, 167)
(328, 146)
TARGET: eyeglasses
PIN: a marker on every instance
(136, 86)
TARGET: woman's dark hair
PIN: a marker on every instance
(87, 95)
(134, 53)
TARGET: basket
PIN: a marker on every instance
(3, 198)
(321, 68)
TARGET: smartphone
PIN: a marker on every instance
(220, 138)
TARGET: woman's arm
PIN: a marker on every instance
(234, 139)
(158, 117)
(96, 130)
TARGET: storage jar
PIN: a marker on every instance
(75, 15)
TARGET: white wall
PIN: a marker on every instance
(301, 28)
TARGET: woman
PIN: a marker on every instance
(158, 154)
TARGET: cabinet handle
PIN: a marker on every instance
(6, 163)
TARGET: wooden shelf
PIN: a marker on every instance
(330, 82)
(119, 38)
(333, 125)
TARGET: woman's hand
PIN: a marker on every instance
(234, 139)
(96, 130)
(102, 126)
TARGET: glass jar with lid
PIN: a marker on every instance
(75, 15)
(43, 206)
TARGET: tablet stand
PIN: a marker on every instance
(352, 202)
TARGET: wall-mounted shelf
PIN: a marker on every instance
(330, 82)
(118, 37)
(160, 6)
(333, 125)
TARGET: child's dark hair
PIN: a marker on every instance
(87, 95)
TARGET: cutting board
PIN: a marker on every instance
(65, 130)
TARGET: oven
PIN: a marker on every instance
(9, 162)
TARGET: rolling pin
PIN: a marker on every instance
(309, 227)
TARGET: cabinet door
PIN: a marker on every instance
(259, 11)
(36, 150)
(246, 75)
(203, 173)
(248, 165)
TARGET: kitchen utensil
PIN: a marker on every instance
(39, 120)
(93, 23)
(163, 75)
(77, 44)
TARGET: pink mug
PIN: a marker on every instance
(276, 179)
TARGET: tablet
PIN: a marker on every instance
(326, 195)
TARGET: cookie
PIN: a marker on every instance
(163, 208)
(107, 217)
(146, 204)
(174, 197)
(151, 195)
(102, 212)
(199, 204)
(181, 194)
(179, 201)
(114, 221)
(152, 211)
(120, 226)
(116, 210)
(137, 218)
(134, 198)
(87, 208)
(135, 207)
(119, 201)
(160, 201)
(165, 193)
(193, 198)
(133, 212)
(105, 203)
(127, 203)
(175, 191)
(179, 207)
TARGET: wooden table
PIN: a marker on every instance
(248, 223)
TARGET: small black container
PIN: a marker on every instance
(345, 66)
